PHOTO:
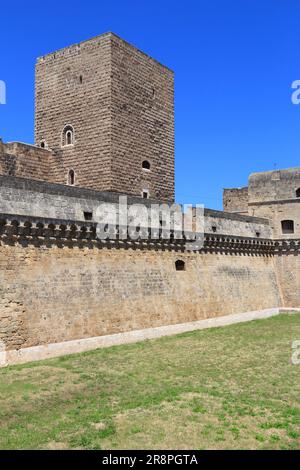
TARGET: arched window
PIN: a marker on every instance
(146, 165)
(71, 177)
(68, 136)
(287, 226)
(298, 192)
(179, 265)
(43, 144)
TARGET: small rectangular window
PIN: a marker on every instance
(88, 215)
(145, 194)
(287, 226)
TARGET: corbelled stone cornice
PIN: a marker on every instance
(30, 229)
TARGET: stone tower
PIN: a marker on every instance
(106, 109)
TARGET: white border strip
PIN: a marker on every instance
(37, 353)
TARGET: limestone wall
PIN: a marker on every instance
(27, 161)
(287, 263)
(225, 223)
(235, 200)
(276, 212)
(41, 199)
(57, 291)
(275, 185)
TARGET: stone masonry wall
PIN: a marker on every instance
(27, 161)
(278, 185)
(41, 199)
(219, 222)
(142, 97)
(235, 200)
(276, 212)
(53, 293)
(288, 271)
(72, 87)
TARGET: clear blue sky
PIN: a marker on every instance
(234, 63)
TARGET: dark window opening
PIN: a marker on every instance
(68, 136)
(43, 145)
(80, 79)
(287, 226)
(71, 177)
(258, 234)
(145, 194)
(88, 215)
(180, 265)
(146, 165)
(214, 228)
(298, 192)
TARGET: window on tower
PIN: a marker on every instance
(68, 136)
(146, 165)
(71, 177)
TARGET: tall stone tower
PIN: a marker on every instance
(107, 111)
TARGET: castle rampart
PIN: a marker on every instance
(104, 127)
(27, 161)
(59, 283)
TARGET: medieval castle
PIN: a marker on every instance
(104, 126)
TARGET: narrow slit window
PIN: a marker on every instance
(71, 178)
(179, 265)
(69, 138)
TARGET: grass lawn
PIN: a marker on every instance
(224, 388)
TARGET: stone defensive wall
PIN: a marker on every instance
(42, 199)
(27, 161)
(235, 200)
(276, 185)
(60, 284)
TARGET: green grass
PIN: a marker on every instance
(223, 388)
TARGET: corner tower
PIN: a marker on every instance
(106, 109)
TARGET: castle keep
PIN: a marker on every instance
(104, 127)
